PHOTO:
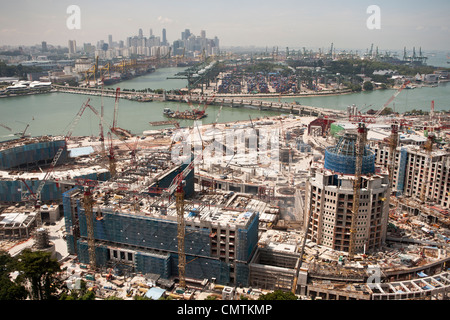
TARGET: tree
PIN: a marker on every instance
(278, 295)
(9, 289)
(368, 86)
(39, 269)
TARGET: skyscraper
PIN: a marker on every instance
(72, 46)
(164, 39)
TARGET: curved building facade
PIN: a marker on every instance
(25, 161)
(329, 197)
(342, 157)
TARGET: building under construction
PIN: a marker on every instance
(330, 197)
(25, 162)
(137, 229)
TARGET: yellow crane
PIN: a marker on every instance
(359, 148)
(179, 194)
(92, 72)
(88, 203)
(393, 143)
(428, 148)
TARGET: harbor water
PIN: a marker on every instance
(52, 113)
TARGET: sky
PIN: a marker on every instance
(260, 23)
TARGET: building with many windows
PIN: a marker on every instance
(329, 200)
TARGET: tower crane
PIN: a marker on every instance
(37, 194)
(393, 142)
(359, 148)
(88, 204)
(111, 157)
(177, 186)
(428, 148)
(121, 133)
(403, 86)
(6, 127)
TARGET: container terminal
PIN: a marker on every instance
(326, 208)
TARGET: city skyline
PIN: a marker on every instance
(286, 23)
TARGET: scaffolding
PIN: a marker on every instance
(401, 171)
(342, 157)
(30, 156)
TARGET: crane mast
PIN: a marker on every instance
(179, 194)
(88, 203)
(360, 144)
(393, 147)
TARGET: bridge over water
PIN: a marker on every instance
(230, 101)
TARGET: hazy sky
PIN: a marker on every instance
(292, 23)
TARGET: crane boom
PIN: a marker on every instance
(36, 196)
(392, 98)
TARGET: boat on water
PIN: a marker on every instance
(187, 114)
(112, 79)
(121, 133)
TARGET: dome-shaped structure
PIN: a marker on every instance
(342, 157)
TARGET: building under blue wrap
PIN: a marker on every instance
(30, 156)
(341, 158)
(35, 156)
(149, 245)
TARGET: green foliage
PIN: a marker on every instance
(368, 86)
(9, 289)
(278, 295)
(354, 66)
(138, 297)
(40, 270)
(16, 71)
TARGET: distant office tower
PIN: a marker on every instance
(141, 33)
(164, 38)
(203, 34)
(44, 46)
(186, 34)
(110, 41)
(72, 46)
(151, 32)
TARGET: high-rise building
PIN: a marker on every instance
(329, 200)
(72, 46)
(164, 38)
(186, 34)
(110, 41)
(44, 46)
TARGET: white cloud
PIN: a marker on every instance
(164, 20)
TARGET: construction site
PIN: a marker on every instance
(348, 208)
